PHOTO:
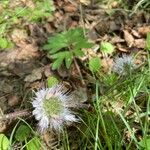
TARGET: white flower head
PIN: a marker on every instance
(51, 108)
(123, 64)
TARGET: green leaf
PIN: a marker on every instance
(4, 142)
(51, 81)
(68, 59)
(107, 47)
(3, 43)
(59, 54)
(56, 43)
(74, 35)
(145, 143)
(83, 43)
(57, 63)
(148, 41)
(66, 45)
(33, 144)
(94, 64)
(78, 52)
(22, 133)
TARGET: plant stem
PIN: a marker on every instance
(78, 69)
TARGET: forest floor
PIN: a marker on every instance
(25, 67)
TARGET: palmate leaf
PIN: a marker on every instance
(68, 59)
(66, 45)
(57, 63)
(83, 43)
(56, 43)
(60, 57)
(59, 54)
(78, 52)
(74, 35)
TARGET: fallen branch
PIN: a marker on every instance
(15, 115)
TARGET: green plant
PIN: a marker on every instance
(4, 142)
(23, 135)
(51, 81)
(106, 48)
(94, 64)
(65, 46)
(148, 41)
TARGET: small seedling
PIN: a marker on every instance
(63, 47)
(106, 48)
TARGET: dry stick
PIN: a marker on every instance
(75, 62)
(15, 115)
(79, 71)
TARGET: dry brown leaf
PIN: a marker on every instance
(19, 36)
(70, 8)
(135, 33)
(120, 48)
(144, 30)
(27, 51)
(35, 85)
(117, 39)
(3, 126)
(106, 64)
(128, 38)
(140, 43)
(13, 100)
(47, 71)
(85, 2)
(50, 140)
(35, 75)
(115, 4)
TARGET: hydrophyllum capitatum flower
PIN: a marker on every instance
(51, 108)
(123, 65)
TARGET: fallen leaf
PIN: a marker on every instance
(128, 38)
(19, 36)
(35, 75)
(13, 100)
(135, 33)
(106, 64)
(69, 8)
(27, 51)
(117, 39)
(47, 71)
(78, 97)
(144, 30)
(115, 4)
(140, 43)
(120, 48)
(85, 2)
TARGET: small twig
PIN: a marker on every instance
(79, 71)
(15, 115)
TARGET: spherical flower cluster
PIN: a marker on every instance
(122, 65)
(51, 108)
